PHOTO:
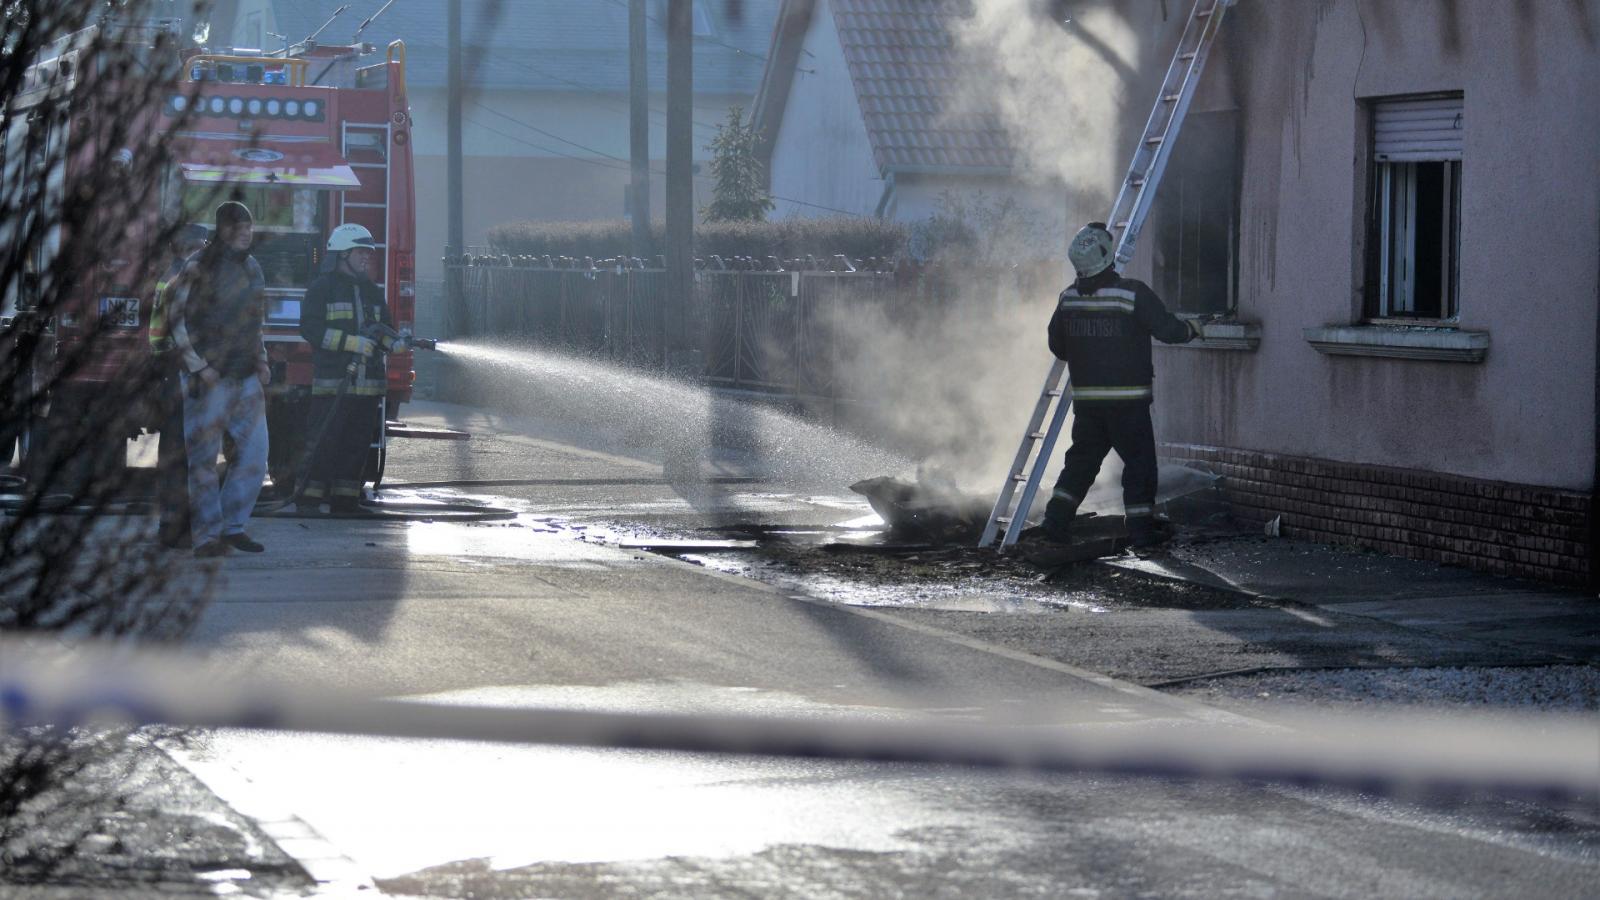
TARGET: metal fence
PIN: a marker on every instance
(612, 313)
(770, 331)
(780, 331)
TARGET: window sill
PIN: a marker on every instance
(1227, 336)
(1401, 342)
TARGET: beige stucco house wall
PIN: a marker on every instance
(1303, 77)
(1467, 438)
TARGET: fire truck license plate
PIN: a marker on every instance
(122, 312)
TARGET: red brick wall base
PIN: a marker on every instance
(1492, 526)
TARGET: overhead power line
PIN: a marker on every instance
(609, 95)
(481, 105)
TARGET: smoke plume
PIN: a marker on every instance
(1058, 88)
(953, 386)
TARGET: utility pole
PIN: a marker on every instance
(455, 302)
(639, 127)
(680, 183)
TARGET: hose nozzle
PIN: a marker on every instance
(408, 341)
(403, 339)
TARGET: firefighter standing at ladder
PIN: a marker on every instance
(217, 312)
(344, 318)
(1102, 327)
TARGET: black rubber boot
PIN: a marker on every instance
(1048, 531)
(1145, 531)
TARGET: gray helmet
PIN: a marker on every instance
(1092, 250)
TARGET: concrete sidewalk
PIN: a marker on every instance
(1546, 624)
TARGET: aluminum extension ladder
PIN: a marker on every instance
(1127, 217)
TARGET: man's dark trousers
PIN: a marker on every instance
(1097, 429)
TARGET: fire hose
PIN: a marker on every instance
(374, 331)
(401, 339)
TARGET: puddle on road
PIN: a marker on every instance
(872, 580)
(525, 538)
(853, 562)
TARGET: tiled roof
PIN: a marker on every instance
(551, 45)
(907, 75)
(908, 78)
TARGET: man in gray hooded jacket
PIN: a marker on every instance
(218, 309)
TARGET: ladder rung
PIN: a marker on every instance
(1120, 225)
(1186, 56)
(1052, 393)
(1170, 98)
(1019, 478)
(1155, 140)
(1035, 435)
(1003, 520)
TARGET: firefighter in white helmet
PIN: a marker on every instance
(347, 323)
(1102, 327)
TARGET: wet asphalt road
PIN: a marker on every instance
(546, 611)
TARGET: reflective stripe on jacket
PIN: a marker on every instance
(1102, 327)
(160, 325)
(336, 310)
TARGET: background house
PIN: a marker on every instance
(1409, 255)
(867, 108)
(545, 131)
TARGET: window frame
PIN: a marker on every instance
(1170, 211)
(1380, 301)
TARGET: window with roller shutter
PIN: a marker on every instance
(1413, 269)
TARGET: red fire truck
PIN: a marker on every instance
(308, 139)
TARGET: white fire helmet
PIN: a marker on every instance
(1091, 250)
(349, 236)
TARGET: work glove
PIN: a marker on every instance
(1196, 328)
(361, 345)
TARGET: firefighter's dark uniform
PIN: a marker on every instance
(337, 310)
(1102, 327)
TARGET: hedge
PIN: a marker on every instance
(856, 238)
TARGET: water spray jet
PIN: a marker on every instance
(686, 423)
